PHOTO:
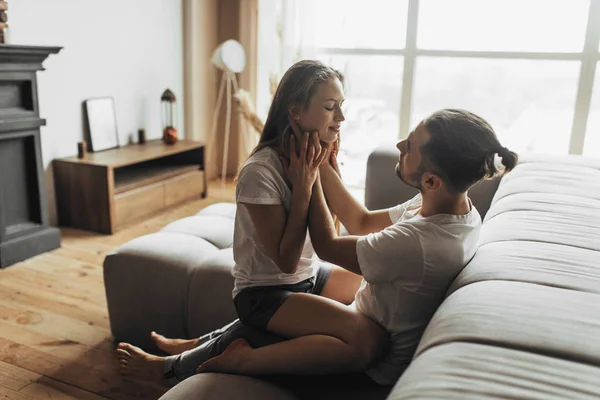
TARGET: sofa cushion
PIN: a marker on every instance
(552, 201)
(534, 262)
(470, 370)
(555, 322)
(217, 230)
(543, 227)
(213, 224)
(226, 210)
(567, 175)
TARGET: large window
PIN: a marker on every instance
(530, 103)
(527, 66)
(502, 25)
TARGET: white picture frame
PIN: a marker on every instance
(102, 124)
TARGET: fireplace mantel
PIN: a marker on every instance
(19, 58)
(24, 225)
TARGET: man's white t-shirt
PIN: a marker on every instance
(262, 181)
(407, 269)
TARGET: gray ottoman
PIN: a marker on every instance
(177, 281)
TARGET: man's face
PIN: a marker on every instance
(408, 168)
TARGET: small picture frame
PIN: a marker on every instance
(101, 123)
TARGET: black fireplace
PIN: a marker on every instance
(24, 228)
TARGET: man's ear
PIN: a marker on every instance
(431, 181)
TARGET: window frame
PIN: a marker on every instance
(588, 58)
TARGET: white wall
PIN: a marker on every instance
(129, 49)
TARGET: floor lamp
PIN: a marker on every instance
(230, 58)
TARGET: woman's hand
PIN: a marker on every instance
(302, 169)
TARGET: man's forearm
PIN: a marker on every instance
(350, 212)
(294, 234)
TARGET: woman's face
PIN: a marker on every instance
(324, 113)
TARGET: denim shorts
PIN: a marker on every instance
(256, 305)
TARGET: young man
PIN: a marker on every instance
(408, 255)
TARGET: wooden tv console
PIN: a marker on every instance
(107, 190)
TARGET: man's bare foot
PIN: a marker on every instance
(232, 360)
(135, 361)
(173, 346)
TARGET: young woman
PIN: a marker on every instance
(277, 272)
(281, 286)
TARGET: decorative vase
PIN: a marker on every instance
(170, 135)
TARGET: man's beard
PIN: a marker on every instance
(413, 180)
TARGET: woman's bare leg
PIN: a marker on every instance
(329, 336)
(306, 355)
(343, 341)
(333, 338)
(341, 286)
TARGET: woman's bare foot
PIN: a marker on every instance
(232, 360)
(135, 361)
(173, 346)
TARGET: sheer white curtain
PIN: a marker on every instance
(285, 35)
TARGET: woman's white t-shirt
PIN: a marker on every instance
(262, 181)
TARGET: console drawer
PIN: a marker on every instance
(184, 187)
(133, 205)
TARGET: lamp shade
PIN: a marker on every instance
(229, 56)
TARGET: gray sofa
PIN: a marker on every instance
(522, 320)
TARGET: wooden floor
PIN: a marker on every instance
(55, 340)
